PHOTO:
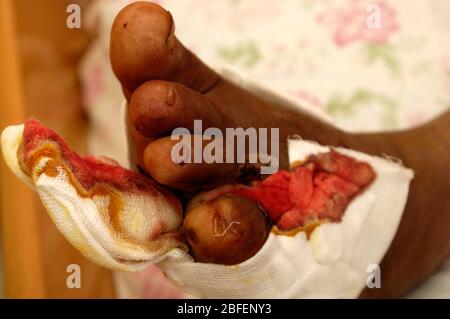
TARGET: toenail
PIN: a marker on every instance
(170, 96)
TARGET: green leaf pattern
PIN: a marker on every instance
(244, 54)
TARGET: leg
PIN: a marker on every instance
(162, 80)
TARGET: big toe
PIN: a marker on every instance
(144, 47)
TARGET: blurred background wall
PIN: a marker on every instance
(41, 72)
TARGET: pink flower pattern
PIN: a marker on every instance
(349, 23)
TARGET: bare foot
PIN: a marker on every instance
(168, 87)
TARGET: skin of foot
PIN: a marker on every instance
(167, 87)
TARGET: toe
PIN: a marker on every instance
(158, 107)
(138, 146)
(161, 165)
(143, 47)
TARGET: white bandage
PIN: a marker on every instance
(333, 263)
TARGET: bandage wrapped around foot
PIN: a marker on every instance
(325, 228)
(115, 217)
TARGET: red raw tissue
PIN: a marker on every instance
(89, 170)
(321, 188)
